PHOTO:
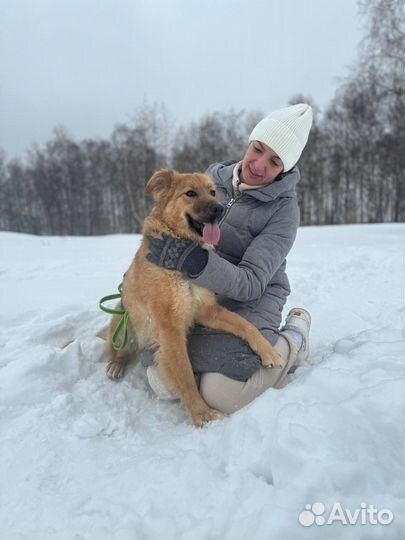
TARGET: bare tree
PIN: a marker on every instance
(216, 137)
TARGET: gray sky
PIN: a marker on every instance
(89, 64)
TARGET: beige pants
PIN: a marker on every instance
(228, 395)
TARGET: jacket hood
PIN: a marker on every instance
(283, 187)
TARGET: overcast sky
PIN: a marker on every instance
(89, 64)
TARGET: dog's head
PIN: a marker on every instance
(187, 204)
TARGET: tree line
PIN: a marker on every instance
(353, 168)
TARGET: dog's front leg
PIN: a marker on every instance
(218, 318)
(116, 367)
(175, 367)
(119, 359)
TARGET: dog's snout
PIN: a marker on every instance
(217, 211)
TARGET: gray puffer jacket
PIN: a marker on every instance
(247, 270)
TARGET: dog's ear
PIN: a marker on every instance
(160, 183)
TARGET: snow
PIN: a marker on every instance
(84, 457)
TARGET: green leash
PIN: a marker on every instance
(117, 342)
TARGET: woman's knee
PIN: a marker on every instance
(220, 392)
(210, 386)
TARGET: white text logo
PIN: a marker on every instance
(367, 514)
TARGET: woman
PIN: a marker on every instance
(247, 270)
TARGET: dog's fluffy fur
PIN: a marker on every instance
(163, 304)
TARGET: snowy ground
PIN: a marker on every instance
(83, 457)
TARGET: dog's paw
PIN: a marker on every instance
(268, 354)
(205, 415)
(271, 358)
(115, 370)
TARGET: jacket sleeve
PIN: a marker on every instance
(266, 253)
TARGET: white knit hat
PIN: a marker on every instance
(286, 132)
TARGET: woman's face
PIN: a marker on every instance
(261, 165)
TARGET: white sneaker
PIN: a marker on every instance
(299, 320)
(157, 384)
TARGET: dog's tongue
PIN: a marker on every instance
(211, 233)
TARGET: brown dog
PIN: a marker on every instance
(163, 304)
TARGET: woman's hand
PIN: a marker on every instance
(177, 254)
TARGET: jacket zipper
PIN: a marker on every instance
(228, 207)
